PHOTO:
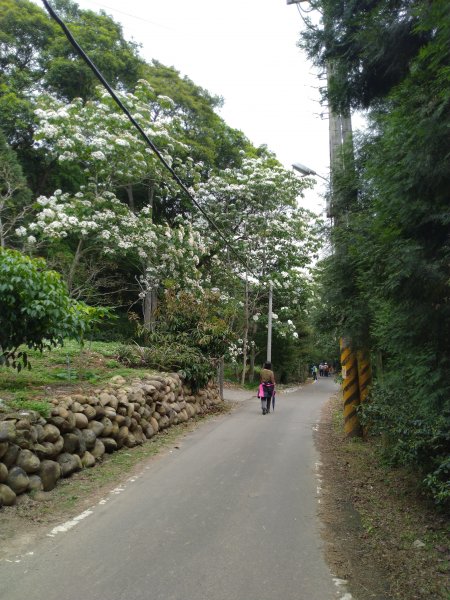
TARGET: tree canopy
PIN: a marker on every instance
(96, 202)
(386, 284)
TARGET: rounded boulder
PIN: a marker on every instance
(49, 472)
(17, 480)
(69, 463)
(28, 461)
(7, 495)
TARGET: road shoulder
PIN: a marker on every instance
(380, 535)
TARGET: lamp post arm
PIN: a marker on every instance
(305, 171)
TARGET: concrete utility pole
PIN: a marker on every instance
(269, 325)
(356, 370)
(340, 132)
(339, 128)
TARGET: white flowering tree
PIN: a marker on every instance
(97, 137)
(100, 225)
(255, 206)
(257, 209)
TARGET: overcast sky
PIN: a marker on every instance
(244, 51)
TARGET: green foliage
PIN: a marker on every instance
(438, 483)
(201, 321)
(21, 403)
(36, 309)
(413, 434)
(170, 355)
(15, 196)
(190, 332)
(102, 38)
(386, 284)
(207, 136)
(35, 55)
(366, 46)
(118, 330)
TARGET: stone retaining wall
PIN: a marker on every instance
(36, 452)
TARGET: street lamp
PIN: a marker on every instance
(303, 170)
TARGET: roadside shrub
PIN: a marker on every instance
(189, 362)
(36, 309)
(200, 322)
(415, 435)
(121, 329)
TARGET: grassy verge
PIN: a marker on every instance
(398, 533)
(59, 371)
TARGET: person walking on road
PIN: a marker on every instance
(267, 387)
(314, 372)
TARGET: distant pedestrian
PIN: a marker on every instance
(314, 372)
(321, 369)
(267, 387)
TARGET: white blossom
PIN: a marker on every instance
(121, 142)
(99, 155)
(21, 231)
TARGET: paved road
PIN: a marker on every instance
(230, 515)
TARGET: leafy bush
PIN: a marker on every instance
(414, 435)
(189, 333)
(199, 322)
(36, 308)
(121, 329)
(189, 362)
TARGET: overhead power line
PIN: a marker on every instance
(147, 140)
(121, 12)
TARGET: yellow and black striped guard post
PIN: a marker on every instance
(350, 389)
(364, 374)
(364, 378)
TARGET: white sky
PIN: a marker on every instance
(244, 51)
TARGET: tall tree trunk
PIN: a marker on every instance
(245, 340)
(43, 177)
(150, 305)
(251, 371)
(73, 266)
(129, 189)
(150, 195)
(2, 237)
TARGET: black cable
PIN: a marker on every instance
(117, 100)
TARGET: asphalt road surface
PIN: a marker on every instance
(230, 515)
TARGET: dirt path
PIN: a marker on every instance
(380, 534)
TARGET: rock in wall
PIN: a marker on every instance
(36, 452)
